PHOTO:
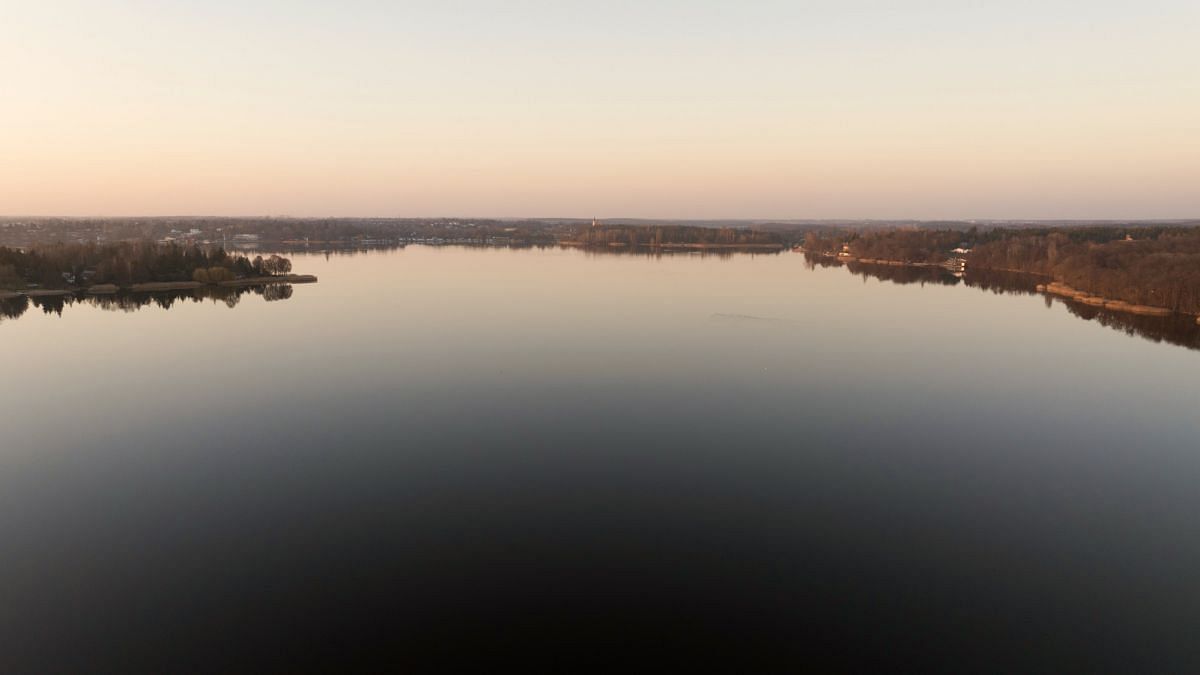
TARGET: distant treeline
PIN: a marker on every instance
(349, 232)
(665, 235)
(125, 263)
(338, 231)
(28, 231)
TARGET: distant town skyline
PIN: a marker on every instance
(670, 110)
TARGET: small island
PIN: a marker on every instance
(49, 270)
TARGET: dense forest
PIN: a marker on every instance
(669, 235)
(1156, 268)
(125, 263)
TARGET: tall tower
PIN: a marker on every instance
(594, 223)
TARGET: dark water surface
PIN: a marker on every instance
(439, 455)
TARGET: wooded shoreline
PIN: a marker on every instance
(1054, 288)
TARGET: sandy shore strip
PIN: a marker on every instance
(1066, 291)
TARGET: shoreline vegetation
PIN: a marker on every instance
(1051, 288)
(1146, 268)
(1064, 290)
(56, 270)
(1149, 271)
(1171, 328)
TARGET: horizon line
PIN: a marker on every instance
(1183, 219)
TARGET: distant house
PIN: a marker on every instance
(68, 277)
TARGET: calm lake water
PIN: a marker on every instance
(446, 454)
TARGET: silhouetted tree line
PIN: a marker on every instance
(67, 265)
(662, 235)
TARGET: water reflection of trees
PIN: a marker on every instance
(349, 251)
(1179, 329)
(590, 251)
(11, 308)
(658, 253)
(329, 251)
(132, 302)
(901, 274)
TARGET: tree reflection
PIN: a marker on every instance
(660, 253)
(11, 308)
(1178, 329)
(127, 302)
(275, 292)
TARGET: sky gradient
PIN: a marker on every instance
(851, 109)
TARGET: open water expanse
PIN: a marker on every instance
(436, 455)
